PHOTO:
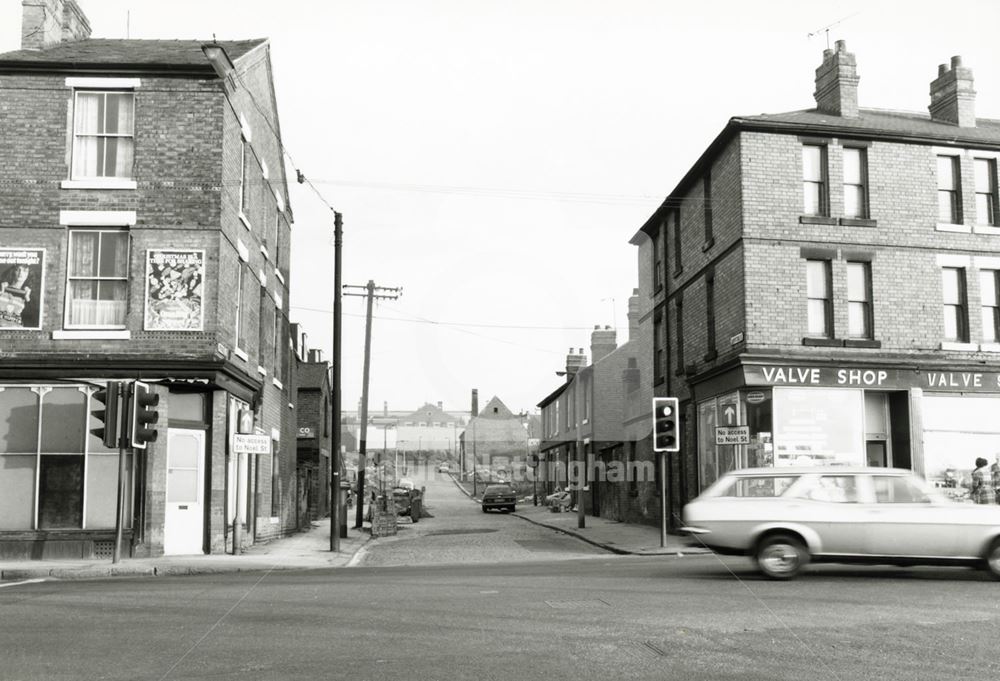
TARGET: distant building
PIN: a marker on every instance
(313, 420)
(495, 437)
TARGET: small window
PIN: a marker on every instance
(103, 132)
(678, 258)
(679, 331)
(837, 489)
(949, 206)
(97, 288)
(657, 261)
(855, 183)
(659, 347)
(707, 193)
(818, 290)
(989, 298)
(710, 312)
(956, 327)
(986, 191)
(814, 189)
(240, 276)
(859, 300)
(244, 179)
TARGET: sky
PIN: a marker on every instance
(493, 158)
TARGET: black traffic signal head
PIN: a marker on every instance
(108, 416)
(144, 417)
(666, 428)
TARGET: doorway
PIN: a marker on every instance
(184, 523)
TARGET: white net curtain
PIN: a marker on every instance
(103, 125)
(98, 278)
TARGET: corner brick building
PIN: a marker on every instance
(144, 234)
(825, 287)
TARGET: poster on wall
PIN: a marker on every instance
(174, 288)
(22, 274)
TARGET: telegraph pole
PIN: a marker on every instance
(370, 293)
(335, 462)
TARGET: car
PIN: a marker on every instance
(401, 496)
(783, 518)
(405, 483)
(501, 497)
(443, 468)
(561, 500)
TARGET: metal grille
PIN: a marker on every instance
(104, 549)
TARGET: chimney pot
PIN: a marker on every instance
(953, 96)
(956, 61)
(841, 45)
(942, 69)
(837, 83)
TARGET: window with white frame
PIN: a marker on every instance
(989, 300)
(814, 179)
(949, 185)
(103, 134)
(986, 191)
(859, 300)
(818, 295)
(855, 183)
(97, 286)
(245, 157)
(240, 274)
(956, 325)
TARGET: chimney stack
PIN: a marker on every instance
(475, 403)
(633, 315)
(602, 343)
(441, 406)
(953, 99)
(574, 362)
(48, 22)
(837, 82)
(315, 356)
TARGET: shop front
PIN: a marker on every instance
(932, 421)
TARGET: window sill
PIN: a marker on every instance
(989, 347)
(816, 220)
(678, 272)
(960, 347)
(705, 247)
(862, 343)
(261, 370)
(823, 342)
(710, 356)
(858, 222)
(960, 229)
(91, 334)
(240, 353)
(986, 229)
(99, 184)
(278, 275)
(245, 220)
(263, 250)
(277, 384)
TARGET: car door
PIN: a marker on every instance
(907, 522)
(831, 504)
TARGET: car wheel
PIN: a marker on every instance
(511, 509)
(781, 556)
(484, 509)
(993, 558)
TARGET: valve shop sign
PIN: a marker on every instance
(251, 444)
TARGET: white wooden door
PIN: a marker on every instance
(184, 525)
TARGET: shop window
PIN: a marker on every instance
(956, 429)
(949, 188)
(956, 325)
(989, 299)
(815, 194)
(819, 298)
(818, 426)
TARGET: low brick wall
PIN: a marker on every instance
(383, 517)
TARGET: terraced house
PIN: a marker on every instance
(826, 287)
(144, 234)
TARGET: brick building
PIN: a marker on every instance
(144, 234)
(313, 420)
(826, 287)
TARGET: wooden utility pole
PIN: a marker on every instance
(371, 294)
(335, 460)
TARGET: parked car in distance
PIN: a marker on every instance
(401, 496)
(561, 500)
(405, 484)
(785, 517)
(501, 497)
(443, 468)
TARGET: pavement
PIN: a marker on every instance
(612, 535)
(304, 550)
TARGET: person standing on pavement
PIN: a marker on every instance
(995, 472)
(982, 490)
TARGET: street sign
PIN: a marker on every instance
(732, 435)
(251, 444)
(244, 422)
(306, 431)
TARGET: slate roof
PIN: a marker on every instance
(312, 375)
(108, 52)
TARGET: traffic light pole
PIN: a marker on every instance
(123, 443)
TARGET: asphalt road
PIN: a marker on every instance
(575, 618)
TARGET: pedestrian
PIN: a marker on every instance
(995, 472)
(982, 490)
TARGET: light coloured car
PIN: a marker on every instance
(785, 517)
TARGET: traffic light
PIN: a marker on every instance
(666, 430)
(108, 416)
(143, 417)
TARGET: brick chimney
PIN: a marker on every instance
(475, 403)
(48, 22)
(315, 356)
(574, 362)
(952, 98)
(602, 343)
(837, 82)
(633, 315)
